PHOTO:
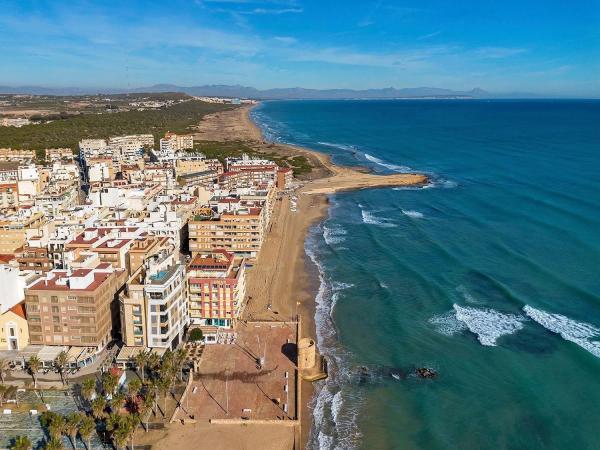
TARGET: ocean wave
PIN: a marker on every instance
(447, 324)
(340, 286)
(370, 219)
(466, 294)
(335, 407)
(412, 214)
(382, 163)
(487, 324)
(580, 333)
(334, 235)
(338, 146)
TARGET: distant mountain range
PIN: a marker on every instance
(237, 91)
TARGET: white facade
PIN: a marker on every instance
(98, 172)
(91, 147)
(13, 283)
(166, 303)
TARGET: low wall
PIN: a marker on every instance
(287, 423)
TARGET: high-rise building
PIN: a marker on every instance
(153, 307)
(216, 288)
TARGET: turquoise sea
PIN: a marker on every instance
(490, 274)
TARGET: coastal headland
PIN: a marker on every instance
(283, 282)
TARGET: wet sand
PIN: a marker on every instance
(283, 283)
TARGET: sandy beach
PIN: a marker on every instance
(283, 282)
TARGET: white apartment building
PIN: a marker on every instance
(128, 146)
(98, 172)
(166, 313)
(93, 147)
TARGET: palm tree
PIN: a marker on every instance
(117, 402)
(10, 393)
(134, 420)
(34, 365)
(88, 388)
(143, 409)
(71, 427)
(54, 444)
(180, 358)
(109, 383)
(4, 369)
(141, 360)
(87, 427)
(3, 390)
(134, 387)
(60, 363)
(21, 443)
(163, 388)
(153, 361)
(98, 407)
(121, 436)
(56, 426)
(118, 425)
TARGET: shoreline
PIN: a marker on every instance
(306, 280)
(284, 282)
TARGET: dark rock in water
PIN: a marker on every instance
(425, 372)
(363, 375)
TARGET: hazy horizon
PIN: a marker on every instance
(494, 46)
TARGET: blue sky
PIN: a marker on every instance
(550, 46)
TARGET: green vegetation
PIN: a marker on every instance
(21, 443)
(68, 132)
(196, 335)
(222, 150)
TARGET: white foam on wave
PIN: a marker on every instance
(370, 219)
(434, 183)
(340, 286)
(447, 324)
(412, 214)
(382, 163)
(335, 409)
(338, 146)
(334, 235)
(583, 334)
(466, 294)
(488, 324)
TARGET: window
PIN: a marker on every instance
(54, 299)
(55, 309)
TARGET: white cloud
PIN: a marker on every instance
(430, 35)
(286, 39)
(497, 52)
(275, 11)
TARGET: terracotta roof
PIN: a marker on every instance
(211, 262)
(19, 310)
(6, 257)
(52, 285)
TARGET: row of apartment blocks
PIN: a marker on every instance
(128, 147)
(149, 302)
(97, 251)
(28, 156)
